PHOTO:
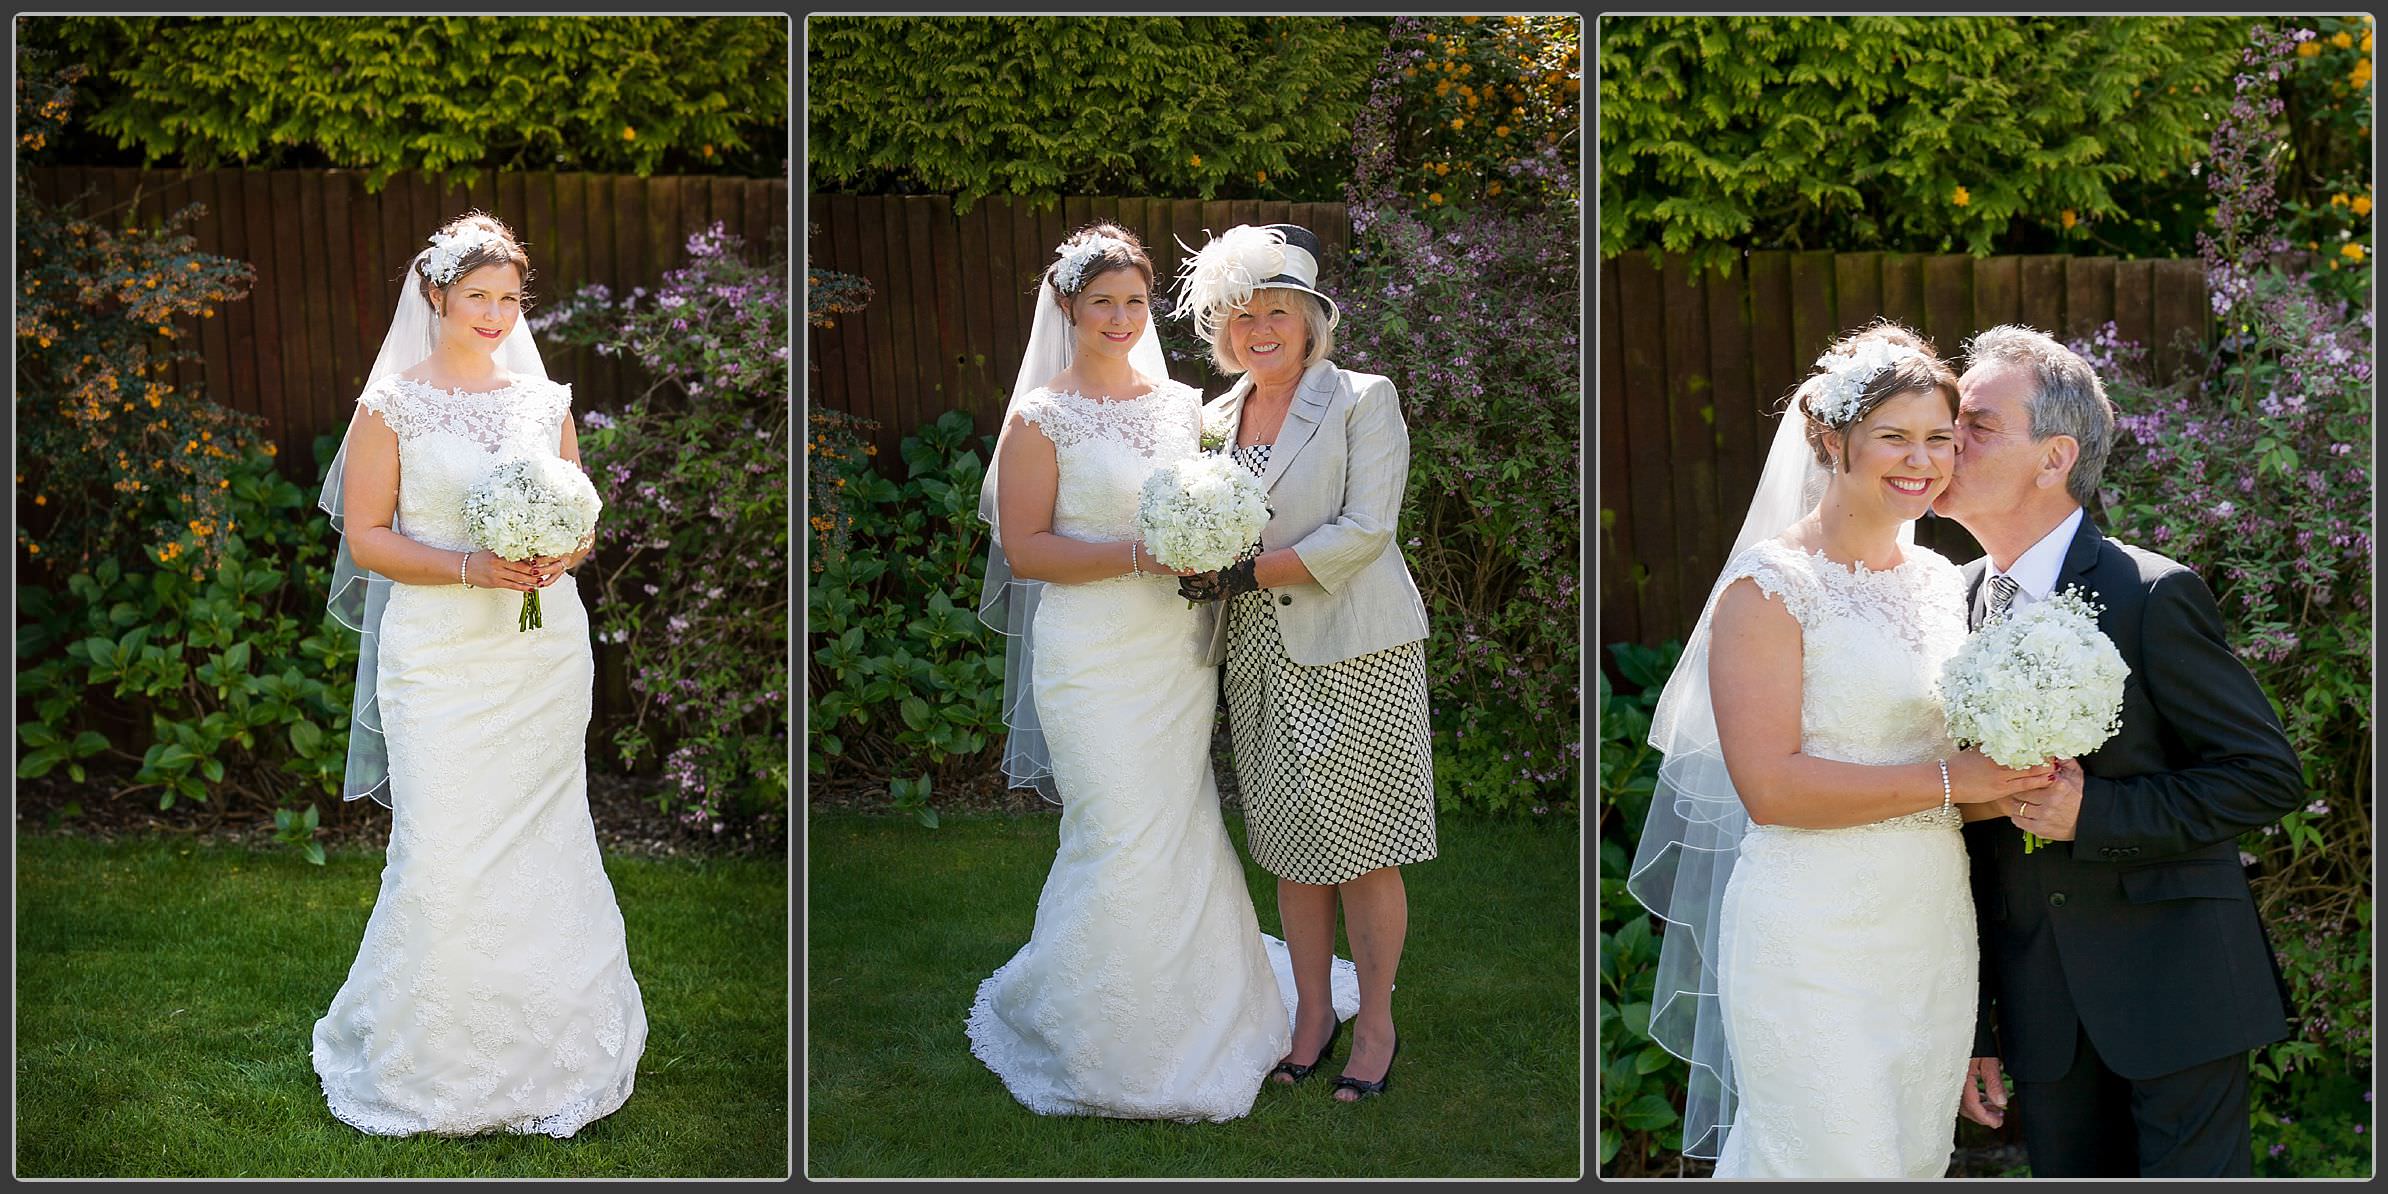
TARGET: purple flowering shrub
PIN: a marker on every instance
(688, 576)
(1473, 312)
(2256, 472)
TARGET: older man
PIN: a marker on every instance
(2125, 962)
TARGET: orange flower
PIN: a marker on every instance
(1261, 176)
(2309, 49)
(2339, 199)
(2341, 40)
(629, 133)
(1459, 122)
(1494, 189)
(1960, 198)
(2351, 251)
(2067, 217)
(1197, 161)
(1436, 197)
(2362, 205)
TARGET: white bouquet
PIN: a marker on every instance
(531, 506)
(1201, 513)
(2039, 684)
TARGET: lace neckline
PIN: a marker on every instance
(1154, 392)
(1854, 571)
(420, 384)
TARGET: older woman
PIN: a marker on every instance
(1323, 635)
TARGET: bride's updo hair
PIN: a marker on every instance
(1091, 252)
(1907, 364)
(501, 249)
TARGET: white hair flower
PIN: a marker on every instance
(448, 250)
(1835, 399)
(1075, 258)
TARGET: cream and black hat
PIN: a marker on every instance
(1224, 273)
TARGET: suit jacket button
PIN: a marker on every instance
(1284, 599)
(2056, 899)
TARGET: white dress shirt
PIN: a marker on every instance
(2036, 569)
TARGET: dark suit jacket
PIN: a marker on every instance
(2141, 930)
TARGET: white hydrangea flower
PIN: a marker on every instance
(2042, 683)
(1201, 513)
(1846, 375)
(528, 506)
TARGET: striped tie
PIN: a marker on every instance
(2002, 595)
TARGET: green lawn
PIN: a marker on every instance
(904, 922)
(166, 993)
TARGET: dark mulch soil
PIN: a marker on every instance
(623, 808)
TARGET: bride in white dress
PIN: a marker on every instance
(492, 991)
(1146, 989)
(1819, 962)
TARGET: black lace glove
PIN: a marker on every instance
(1234, 579)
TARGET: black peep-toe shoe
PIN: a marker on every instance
(1370, 1089)
(1300, 1072)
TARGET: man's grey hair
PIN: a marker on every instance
(2066, 397)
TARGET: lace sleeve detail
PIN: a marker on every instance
(558, 408)
(1779, 574)
(390, 403)
(1053, 417)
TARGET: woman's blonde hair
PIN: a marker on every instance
(1314, 320)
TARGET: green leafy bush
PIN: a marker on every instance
(1915, 134)
(1037, 107)
(903, 674)
(442, 94)
(1480, 101)
(233, 676)
(693, 472)
(1642, 1085)
(1472, 310)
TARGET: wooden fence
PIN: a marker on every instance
(1692, 370)
(329, 258)
(954, 295)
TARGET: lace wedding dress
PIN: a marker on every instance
(492, 991)
(1846, 960)
(1146, 989)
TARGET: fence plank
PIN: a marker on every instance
(929, 396)
(571, 256)
(944, 295)
(306, 414)
(280, 336)
(1997, 292)
(1641, 314)
(2089, 294)
(1739, 453)
(1691, 425)
(1815, 323)
(1003, 306)
(1948, 299)
(1903, 291)
(828, 381)
(2042, 281)
(2180, 306)
(1857, 289)
(1773, 368)
(839, 249)
(1620, 597)
(1077, 211)
(869, 259)
(2135, 302)
(340, 254)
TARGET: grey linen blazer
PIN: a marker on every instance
(1335, 482)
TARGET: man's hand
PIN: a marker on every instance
(2051, 812)
(1985, 1098)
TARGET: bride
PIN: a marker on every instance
(1146, 989)
(492, 991)
(1818, 966)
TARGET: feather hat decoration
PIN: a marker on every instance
(1222, 275)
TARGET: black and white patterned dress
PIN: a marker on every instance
(1335, 761)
